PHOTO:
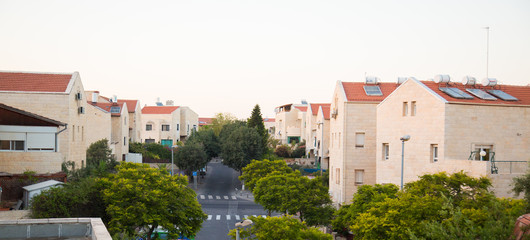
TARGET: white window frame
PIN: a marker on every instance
(358, 141)
(166, 128)
(359, 176)
(413, 108)
(386, 151)
(435, 153)
(405, 109)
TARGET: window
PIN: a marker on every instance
(315, 142)
(12, 145)
(148, 127)
(165, 127)
(178, 127)
(488, 149)
(359, 177)
(149, 141)
(405, 109)
(434, 152)
(359, 140)
(386, 150)
(73, 133)
(413, 108)
(124, 141)
(337, 180)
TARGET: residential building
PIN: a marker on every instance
(135, 119)
(98, 120)
(290, 123)
(321, 150)
(449, 125)
(352, 147)
(29, 142)
(269, 125)
(57, 96)
(311, 125)
(189, 120)
(161, 124)
(205, 122)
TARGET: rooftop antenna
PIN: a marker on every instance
(487, 49)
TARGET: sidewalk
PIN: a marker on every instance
(245, 194)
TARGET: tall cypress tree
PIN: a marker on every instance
(256, 121)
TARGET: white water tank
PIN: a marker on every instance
(372, 80)
(442, 78)
(489, 82)
(469, 80)
(402, 80)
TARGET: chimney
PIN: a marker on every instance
(95, 96)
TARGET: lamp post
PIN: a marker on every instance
(403, 140)
(243, 223)
(173, 165)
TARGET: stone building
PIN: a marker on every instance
(290, 123)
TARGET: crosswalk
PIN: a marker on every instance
(230, 217)
(211, 197)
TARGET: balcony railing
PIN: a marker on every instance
(502, 167)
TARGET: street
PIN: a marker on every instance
(222, 203)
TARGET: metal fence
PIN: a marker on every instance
(511, 167)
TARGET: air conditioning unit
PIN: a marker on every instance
(81, 110)
(78, 96)
(334, 113)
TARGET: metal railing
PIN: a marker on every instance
(503, 167)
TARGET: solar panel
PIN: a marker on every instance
(373, 91)
(480, 94)
(114, 109)
(456, 93)
(502, 95)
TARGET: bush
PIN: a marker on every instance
(283, 151)
(298, 152)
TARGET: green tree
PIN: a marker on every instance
(220, 120)
(522, 185)
(291, 193)
(191, 157)
(256, 121)
(140, 197)
(258, 169)
(100, 152)
(240, 146)
(209, 140)
(284, 227)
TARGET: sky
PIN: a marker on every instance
(226, 56)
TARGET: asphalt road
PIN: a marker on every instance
(222, 203)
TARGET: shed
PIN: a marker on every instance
(36, 189)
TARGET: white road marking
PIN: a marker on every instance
(246, 216)
(254, 215)
(227, 217)
(264, 216)
(237, 218)
(234, 197)
(202, 197)
(210, 197)
(217, 197)
(209, 217)
(218, 217)
(226, 197)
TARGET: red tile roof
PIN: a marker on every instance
(316, 106)
(326, 108)
(34, 82)
(159, 109)
(355, 91)
(269, 120)
(106, 106)
(303, 109)
(522, 93)
(205, 121)
(131, 104)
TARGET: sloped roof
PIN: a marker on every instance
(303, 109)
(131, 104)
(522, 93)
(34, 82)
(205, 121)
(107, 106)
(159, 109)
(316, 106)
(355, 91)
(14, 116)
(326, 109)
(269, 120)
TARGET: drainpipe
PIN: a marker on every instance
(57, 133)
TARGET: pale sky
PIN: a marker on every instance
(226, 56)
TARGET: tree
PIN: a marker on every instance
(256, 121)
(209, 140)
(291, 193)
(521, 184)
(258, 169)
(284, 227)
(191, 157)
(140, 197)
(220, 120)
(240, 146)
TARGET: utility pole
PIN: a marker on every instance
(487, 50)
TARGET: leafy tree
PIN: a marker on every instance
(284, 227)
(99, 151)
(209, 140)
(256, 121)
(140, 197)
(522, 185)
(191, 157)
(220, 120)
(240, 146)
(258, 169)
(74, 199)
(291, 193)
(229, 128)
(99, 162)
(299, 150)
(283, 151)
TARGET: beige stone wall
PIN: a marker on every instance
(289, 124)
(310, 130)
(322, 135)
(120, 134)
(336, 151)
(188, 119)
(98, 125)
(157, 120)
(40, 162)
(62, 107)
(135, 123)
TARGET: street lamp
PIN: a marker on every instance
(243, 223)
(173, 165)
(403, 140)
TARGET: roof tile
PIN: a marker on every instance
(34, 82)
(159, 109)
(355, 91)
